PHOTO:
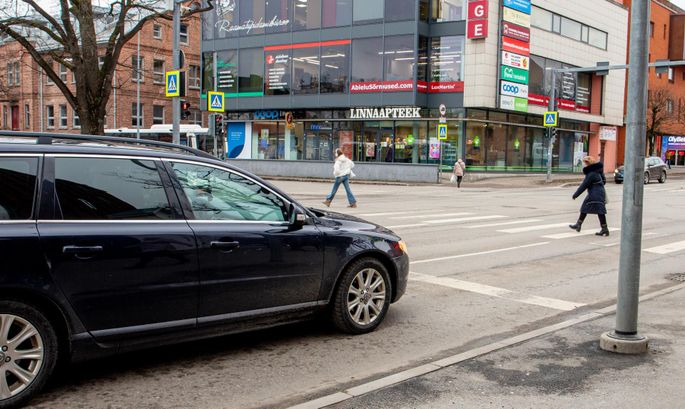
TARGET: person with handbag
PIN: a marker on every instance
(458, 172)
(342, 170)
(595, 202)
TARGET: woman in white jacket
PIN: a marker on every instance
(342, 170)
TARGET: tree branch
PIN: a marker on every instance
(48, 17)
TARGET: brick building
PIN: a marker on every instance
(667, 36)
(29, 101)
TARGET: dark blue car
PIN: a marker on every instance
(108, 247)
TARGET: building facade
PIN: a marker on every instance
(371, 76)
(29, 101)
(666, 102)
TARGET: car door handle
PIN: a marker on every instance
(81, 249)
(224, 245)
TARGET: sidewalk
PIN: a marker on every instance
(562, 368)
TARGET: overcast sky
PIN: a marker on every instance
(679, 3)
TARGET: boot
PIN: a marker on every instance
(576, 226)
(604, 231)
(327, 203)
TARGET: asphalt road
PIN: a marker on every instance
(487, 263)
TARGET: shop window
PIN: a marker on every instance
(268, 142)
(337, 13)
(226, 71)
(367, 60)
(400, 10)
(251, 70)
(335, 68)
(448, 10)
(398, 59)
(217, 23)
(536, 75)
(306, 64)
(422, 64)
(367, 11)
(307, 14)
(584, 92)
(446, 60)
(278, 71)
(251, 10)
(208, 72)
(424, 10)
(280, 11)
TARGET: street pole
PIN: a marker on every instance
(176, 101)
(551, 108)
(625, 338)
(138, 89)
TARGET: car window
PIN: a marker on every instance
(110, 189)
(216, 194)
(17, 187)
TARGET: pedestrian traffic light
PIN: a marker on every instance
(185, 110)
(218, 125)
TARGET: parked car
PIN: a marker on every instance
(109, 247)
(655, 169)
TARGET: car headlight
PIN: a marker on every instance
(402, 245)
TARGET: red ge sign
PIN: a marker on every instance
(477, 25)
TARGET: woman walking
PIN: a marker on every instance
(342, 170)
(595, 202)
(458, 173)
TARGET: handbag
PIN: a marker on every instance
(453, 179)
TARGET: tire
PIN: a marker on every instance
(366, 284)
(646, 178)
(25, 333)
(618, 182)
(662, 178)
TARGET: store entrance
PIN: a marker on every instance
(376, 145)
(677, 157)
(319, 146)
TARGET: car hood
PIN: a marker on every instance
(353, 223)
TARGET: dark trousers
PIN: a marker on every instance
(602, 218)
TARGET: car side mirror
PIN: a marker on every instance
(297, 217)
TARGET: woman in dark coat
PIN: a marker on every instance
(595, 202)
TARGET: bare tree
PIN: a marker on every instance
(85, 38)
(660, 111)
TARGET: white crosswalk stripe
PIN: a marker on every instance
(478, 226)
(667, 248)
(574, 234)
(534, 228)
(432, 215)
(465, 219)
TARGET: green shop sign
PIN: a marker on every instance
(514, 74)
(521, 105)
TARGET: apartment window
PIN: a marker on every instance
(184, 34)
(76, 121)
(665, 31)
(541, 18)
(549, 21)
(598, 38)
(157, 114)
(194, 77)
(137, 118)
(27, 117)
(196, 117)
(158, 71)
(4, 116)
(651, 29)
(138, 76)
(571, 29)
(50, 114)
(62, 116)
(101, 62)
(63, 72)
(669, 106)
(13, 73)
(157, 31)
(671, 75)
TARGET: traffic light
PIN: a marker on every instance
(218, 125)
(185, 110)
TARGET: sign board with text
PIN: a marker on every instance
(519, 5)
(514, 89)
(515, 46)
(515, 60)
(477, 22)
(516, 17)
(520, 33)
(514, 74)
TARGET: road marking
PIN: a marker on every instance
(477, 226)
(496, 292)
(384, 214)
(465, 219)
(668, 248)
(533, 228)
(401, 226)
(434, 214)
(480, 253)
(574, 234)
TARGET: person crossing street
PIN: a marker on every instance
(342, 170)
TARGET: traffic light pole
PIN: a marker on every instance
(176, 101)
(552, 107)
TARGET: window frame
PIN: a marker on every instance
(155, 118)
(194, 82)
(182, 35)
(75, 120)
(157, 32)
(140, 115)
(158, 76)
(27, 117)
(135, 75)
(62, 72)
(63, 116)
(39, 164)
(50, 118)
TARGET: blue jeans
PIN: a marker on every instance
(345, 180)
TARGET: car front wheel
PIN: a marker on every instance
(646, 178)
(362, 298)
(662, 178)
(28, 352)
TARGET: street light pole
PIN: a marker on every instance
(176, 63)
(552, 107)
(625, 338)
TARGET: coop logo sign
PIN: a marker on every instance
(514, 90)
(249, 25)
(385, 113)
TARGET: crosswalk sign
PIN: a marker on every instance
(442, 132)
(215, 101)
(551, 119)
(172, 79)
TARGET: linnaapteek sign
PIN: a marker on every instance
(385, 113)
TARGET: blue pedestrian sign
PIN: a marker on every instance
(172, 81)
(551, 119)
(442, 132)
(215, 101)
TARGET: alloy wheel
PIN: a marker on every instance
(366, 296)
(21, 354)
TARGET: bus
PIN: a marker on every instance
(194, 136)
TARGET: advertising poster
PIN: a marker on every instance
(434, 151)
(278, 73)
